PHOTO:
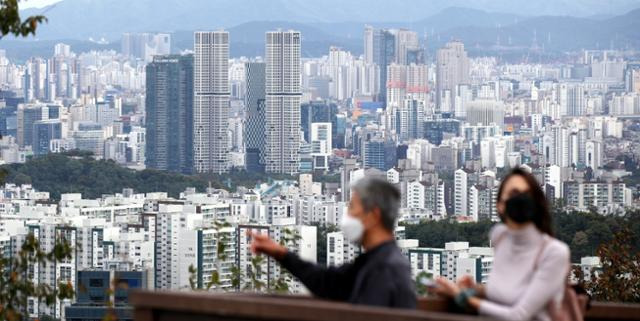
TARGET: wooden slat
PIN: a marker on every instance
(193, 306)
(247, 307)
(613, 311)
(143, 314)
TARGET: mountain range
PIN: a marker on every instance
(520, 24)
(81, 19)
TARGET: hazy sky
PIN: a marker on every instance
(36, 3)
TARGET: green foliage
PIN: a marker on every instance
(619, 278)
(61, 173)
(289, 239)
(11, 23)
(326, 178)
(421, 289)
(436, 233)
(16, 285)
(215, 281)
(77, 172)
(321, 241)
(255, 283)
(193, 277)
(586, 232)
(583, 232)
(235, 178)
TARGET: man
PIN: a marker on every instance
(381, 276)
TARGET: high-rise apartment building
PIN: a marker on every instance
(145, 45)
(452, 69)
(211, 101)
(254, 102)
(406, 41)
(283, 94)
(169, 114)
(369, 33)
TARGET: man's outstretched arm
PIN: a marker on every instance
(330, 283)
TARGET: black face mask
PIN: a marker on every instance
(520, 208)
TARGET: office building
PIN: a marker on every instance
(379, 153)
(44, 131)
(27, 115)
(97, 287)
(255, 105)
(169, 113)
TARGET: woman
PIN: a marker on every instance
(529, 266)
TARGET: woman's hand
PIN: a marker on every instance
(466, 282)
(446, 288)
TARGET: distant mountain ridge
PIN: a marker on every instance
(81, 19)
(482, 31)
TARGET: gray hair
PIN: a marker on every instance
(379, 193)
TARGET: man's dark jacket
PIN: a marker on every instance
(380, 277)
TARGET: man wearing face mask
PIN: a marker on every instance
(381, 276)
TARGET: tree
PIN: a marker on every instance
(16, 286)
(579, 239)
(11, 23)
(321, 241)
(619, 280)
(215, 281)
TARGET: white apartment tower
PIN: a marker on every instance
(452, 69)
(211, 101)
(283, 94)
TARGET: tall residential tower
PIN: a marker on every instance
(283, 94)
(452, 69)
(211, 101)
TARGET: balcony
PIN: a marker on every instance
(193, 306)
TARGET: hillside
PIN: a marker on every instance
(58, 174)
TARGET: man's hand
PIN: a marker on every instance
(261, 243)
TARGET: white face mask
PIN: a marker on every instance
(352, 228)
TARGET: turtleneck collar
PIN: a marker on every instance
(525, 236)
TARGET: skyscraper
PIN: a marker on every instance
(254, 103)
(211, 101)
(169, 115)
(43, 132)
(406, 41)
(27, 115)
(379, 152)
(452, 69)
(283, 93)
(145, 45)
(384, 47)
(317, 112)
(368, 44)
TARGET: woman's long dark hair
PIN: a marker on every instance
(542, 217)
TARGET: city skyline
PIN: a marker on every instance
(156, 154)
